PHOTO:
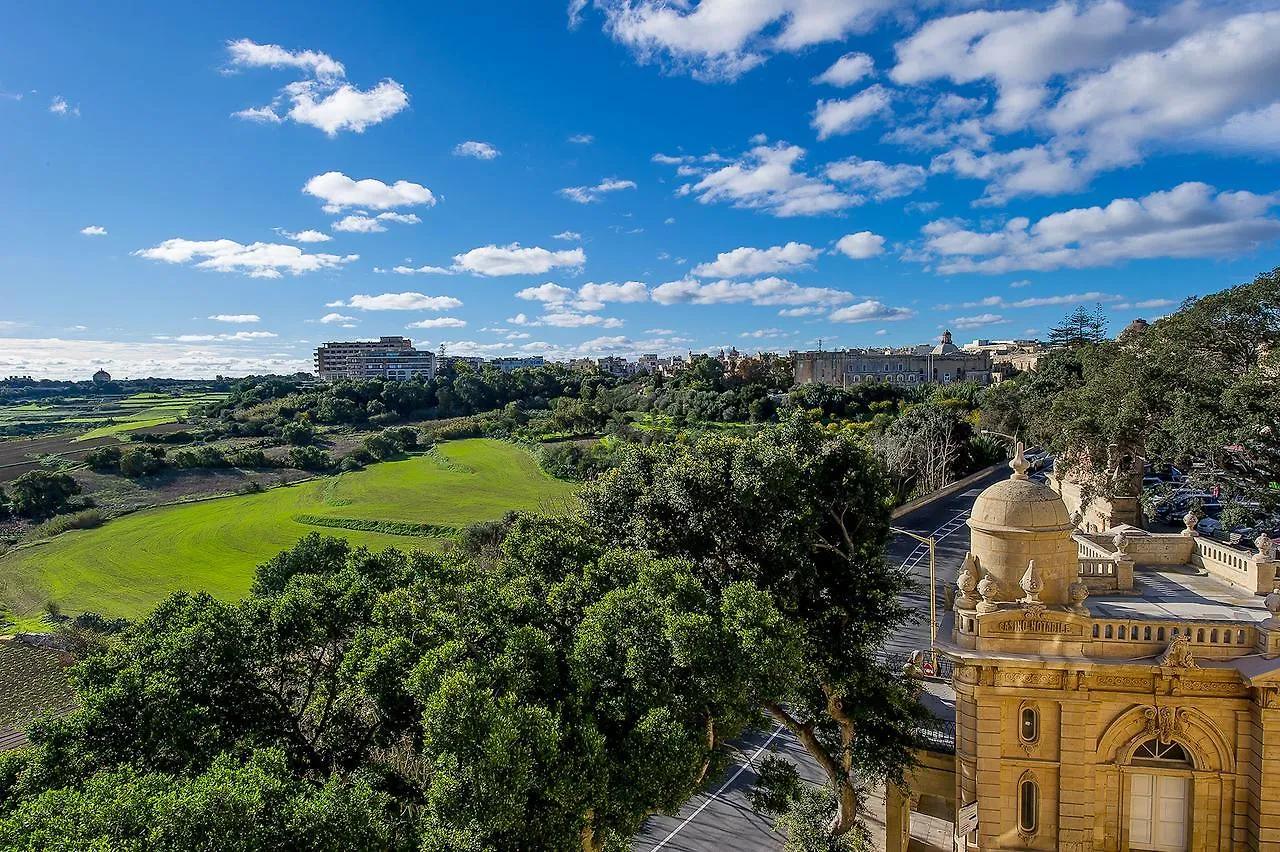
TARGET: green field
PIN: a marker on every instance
(125, 566)
(111, 415)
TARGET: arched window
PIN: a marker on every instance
(1161, 754)
(1029, 727)
(1028, 806)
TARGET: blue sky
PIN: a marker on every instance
(187, 192)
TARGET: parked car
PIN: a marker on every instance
(1209, 527)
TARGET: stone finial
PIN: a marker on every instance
(1121, 541)
(989, 588)
(967, 582)
(1189, 520)
(1033, 585)
(1272, 601)
(1019, 461)
(1266, 547)
(1078, 592)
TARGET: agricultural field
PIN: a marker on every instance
(96, 417)
(32, 682)
(125, 566)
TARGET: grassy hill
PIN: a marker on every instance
(125, 566)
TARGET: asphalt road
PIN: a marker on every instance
(721, 820)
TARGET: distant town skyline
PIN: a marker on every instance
(189, 195)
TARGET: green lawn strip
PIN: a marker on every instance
(388, 527)
(123, 567)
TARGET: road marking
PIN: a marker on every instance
(716, 794)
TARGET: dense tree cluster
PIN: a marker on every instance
(546, 685)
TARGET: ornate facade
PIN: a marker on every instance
(1111, 691)
(940, 364)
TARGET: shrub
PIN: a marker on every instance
(249, 457)
(298, 433)
(309, 458)
(40, 493)
(383, 445)
(82, 520)
(198, 457)
(349, 464)
(103, 459)
(140, 462)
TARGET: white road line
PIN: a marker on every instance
(716, 794)
(924, 550)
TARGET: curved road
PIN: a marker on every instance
(721, 819)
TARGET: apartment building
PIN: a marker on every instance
(386, 358)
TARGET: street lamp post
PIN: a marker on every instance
(933, 592)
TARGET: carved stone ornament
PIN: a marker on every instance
(1179, 654)
(1121, 542)
(1163, 723)
(1033, 586)
(967, 582)
(1078, 591)
(1189, 520)
(1266, 547)
(1272, 602)
(1019, 462)
(989, 589)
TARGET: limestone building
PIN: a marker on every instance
(385, 358)
(942, 363)
(1110, 691)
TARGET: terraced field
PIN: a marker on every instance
(102, 416)
(125, 566)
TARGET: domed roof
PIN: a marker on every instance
(1018, 503)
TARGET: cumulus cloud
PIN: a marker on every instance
(324, 99)
(549, 292)
(60, 107)
(398, 302)
(236, 318)
(257, 260)
(878, 179)
(977, 321)
(421, 270)
(766, 291)
(329, 319)
(766, 179)
(570, 236)
(339, 192)
(94, 231)
(477, 150)
(438, 322)
(56, 358)
(766, 333)
(847, 70)
(304, 236)
(588, 194)
(493, 260)
(723, 40)
(868, 311)
(1144, 304)
(239, 337)
(838, 117)
(745, 261)
(358, 224)
(861, 245)
(589, 297)
(1190, 220)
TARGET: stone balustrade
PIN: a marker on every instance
(1128, 639)
(1249, 571)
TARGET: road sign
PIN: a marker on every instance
(927, 669)
(967, 819)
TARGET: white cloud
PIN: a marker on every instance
(304, 236)
(357, 224)
(582, 139)
(869, 310)
(809, 311)
(258, 260)
(588, 194)
(766, 291)
(398, 302)
(325, 101)
(861, 245)
(881, 180)
(478, 150)
(239, 337)
(1145, 304)
(439, 322)
(592, 293)
(1035, 301)
(847, 70)
(328, 319)
(571, 236)
(59, 106)
(94, 231)
(472, 348)
(1034, 170)
(766, 333)
(236, 318)
(977, 321)
(573, 319)
(1020, 50)
(1019, 284)
(659, 331)
(1190, 220)
(721, 40)
(55, 358)
(339, 192)
(765, 179)
(548, 292)
(745, 261)
(421, 270)
(512, 259)
(837, 117)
